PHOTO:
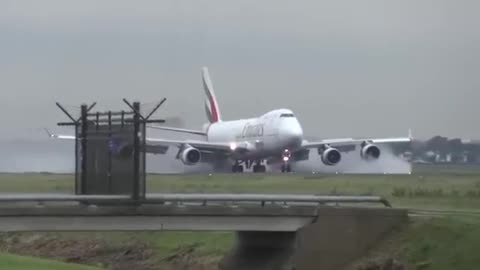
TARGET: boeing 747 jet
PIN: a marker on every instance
(274, 137)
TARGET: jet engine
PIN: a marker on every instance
(119, 148)
(369, 151)
(330, 156)
(190, 156)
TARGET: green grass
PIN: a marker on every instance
(443, 243)
(36, 182)
(449, 190)
(454, 188)
(214, 243)
(164, 243)
(204, 248)
(446, 168)
(14, 262)
(430, 244)
(440, 244)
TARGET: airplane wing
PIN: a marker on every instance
(58, 136)
(352, 141)
(162, 144)
(344, 145)
(200, 145)
(182, 130)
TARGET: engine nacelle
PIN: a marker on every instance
(125, 151)
(190, 156)
(369, 151)
(330, 156)
(120, 149)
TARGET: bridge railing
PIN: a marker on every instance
(203, 198)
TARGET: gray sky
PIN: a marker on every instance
(347, 68)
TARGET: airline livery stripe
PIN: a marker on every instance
(213, 113)
(214, 110)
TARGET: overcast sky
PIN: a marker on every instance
(346, 68)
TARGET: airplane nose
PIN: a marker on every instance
(294, 133)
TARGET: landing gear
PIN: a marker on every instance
(248, 164)
(286, 167)
(286, 164)
(236, 168)
(259, 168)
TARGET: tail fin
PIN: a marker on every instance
(211, 104)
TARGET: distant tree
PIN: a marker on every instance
(455, 148)
(438, 145)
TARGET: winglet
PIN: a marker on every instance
(49, 133)
(410, 136)
(57, 136)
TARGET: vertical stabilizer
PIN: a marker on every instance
(211, 105)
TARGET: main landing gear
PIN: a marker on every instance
(259, 168)
(237, 167)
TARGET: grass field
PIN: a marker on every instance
(426, 243)
(429, 244)
(453, 190)
(14, 262)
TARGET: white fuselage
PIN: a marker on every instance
(267, 135)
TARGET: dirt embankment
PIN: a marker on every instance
(131, 255)
(380, 264)
(136, 254)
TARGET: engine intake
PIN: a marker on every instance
(190, 156)
(369, 151)
(330, 156)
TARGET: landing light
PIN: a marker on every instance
(233, 146)
(285, 158)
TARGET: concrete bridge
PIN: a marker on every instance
(273, 231)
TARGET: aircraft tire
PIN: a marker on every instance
(237, 168)
(259, 169)
(286, 168)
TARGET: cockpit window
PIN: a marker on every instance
(286, 115)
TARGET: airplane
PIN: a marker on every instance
(276, 137)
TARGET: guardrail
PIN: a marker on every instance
(204, 198)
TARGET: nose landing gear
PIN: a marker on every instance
(237, 168)
(286, 167)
